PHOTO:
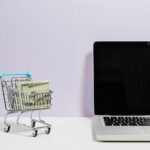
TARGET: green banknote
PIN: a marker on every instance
(33, 95)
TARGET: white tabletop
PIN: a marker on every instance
(66, 134)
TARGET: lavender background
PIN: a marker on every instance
(54, 39)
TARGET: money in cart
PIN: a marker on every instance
(22, 94)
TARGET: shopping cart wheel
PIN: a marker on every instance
(47, 130)
(6, 128)
(32, 123)
(35, 132)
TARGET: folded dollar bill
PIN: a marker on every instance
(33, 95)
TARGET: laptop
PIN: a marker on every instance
(122, 91)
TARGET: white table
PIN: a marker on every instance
(66, 134)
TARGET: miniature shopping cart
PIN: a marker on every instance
(14, 103)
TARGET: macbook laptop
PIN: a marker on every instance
(122, 91)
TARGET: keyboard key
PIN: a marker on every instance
(108, 121)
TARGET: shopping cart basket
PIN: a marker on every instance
(16, 100)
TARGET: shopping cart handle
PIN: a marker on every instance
(28, 74)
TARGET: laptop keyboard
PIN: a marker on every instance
(127, 121)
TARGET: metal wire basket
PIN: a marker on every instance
(16, 100)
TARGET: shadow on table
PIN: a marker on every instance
(88, 98)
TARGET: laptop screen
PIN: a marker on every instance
(122, 78)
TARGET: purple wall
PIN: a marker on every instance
(53, 39)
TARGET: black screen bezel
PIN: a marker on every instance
(97, 45)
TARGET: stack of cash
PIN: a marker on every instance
(33, 95)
